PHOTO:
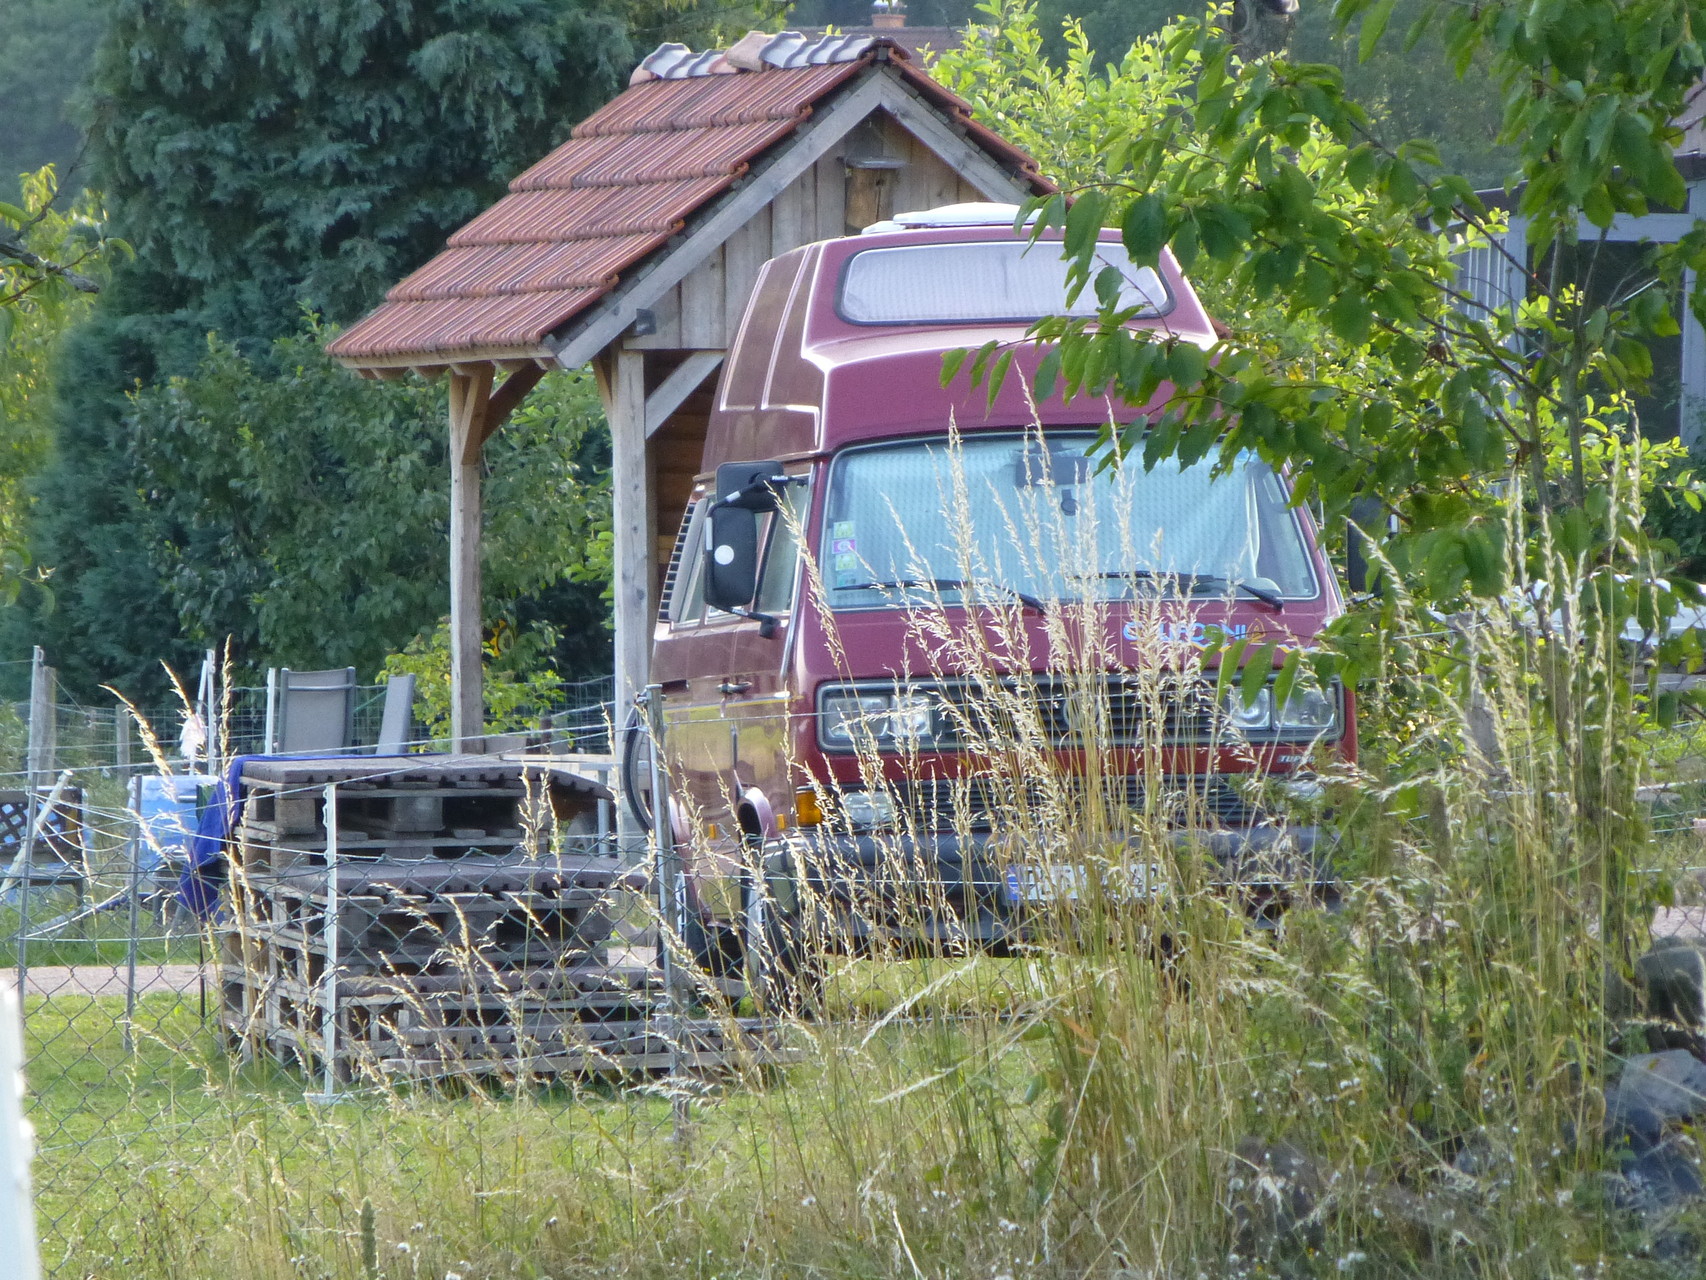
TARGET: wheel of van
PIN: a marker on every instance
(636, 771)
(718, 951)
(784, 975)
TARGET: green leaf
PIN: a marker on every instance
(1143, 229)
(1048, 374)
(1350, 318)
(998, 375)
(1257, 668)
(951, 363)
(1287, 678)
(1373, 27)
(1186, 364)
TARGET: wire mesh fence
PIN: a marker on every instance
(430, 1017)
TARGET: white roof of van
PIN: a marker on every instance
(972, 214)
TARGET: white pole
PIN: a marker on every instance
(17, 1213)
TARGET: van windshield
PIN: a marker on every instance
(1002, 518)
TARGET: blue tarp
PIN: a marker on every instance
(166, 813)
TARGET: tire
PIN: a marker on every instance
(634, 786)
(784, 976)
(718, 951)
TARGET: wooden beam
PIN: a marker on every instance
(470, 406)
(507, 398)
(686, 378)
(968, 159)
(623, 382)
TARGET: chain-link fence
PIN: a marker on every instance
(431, 1017)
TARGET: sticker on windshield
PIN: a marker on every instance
(844, 544)
(846, 560)
(841, 529)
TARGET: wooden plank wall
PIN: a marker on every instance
(703, 311)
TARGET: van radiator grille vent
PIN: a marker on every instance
(985, 803)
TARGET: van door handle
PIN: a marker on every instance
(729, 687)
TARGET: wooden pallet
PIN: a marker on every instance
(598, 1019)
(460, 947)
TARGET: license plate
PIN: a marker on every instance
(1069, 881)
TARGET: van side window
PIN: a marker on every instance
(782, 556)
(686, 583)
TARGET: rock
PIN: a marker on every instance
(1665, 1176)
(1672, 978)
(1631, 1126)
(1662, 1178)
(1672, 1085)
(1276, 1197)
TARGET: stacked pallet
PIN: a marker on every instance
(454, 918)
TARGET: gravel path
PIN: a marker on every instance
(108, 980)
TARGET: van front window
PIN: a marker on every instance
(1002, 518)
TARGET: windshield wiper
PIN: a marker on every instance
(1192, 581)
(946, 584)
(1267, 597)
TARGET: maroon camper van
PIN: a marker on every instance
(788, 671)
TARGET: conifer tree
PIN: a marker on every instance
(263, 156)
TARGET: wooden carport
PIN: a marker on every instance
(633, 248)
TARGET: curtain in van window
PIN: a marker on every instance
(928, 511)
(993, 280)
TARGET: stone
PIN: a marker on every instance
(1672, 1085)
(1672, 978)
(1663, 1178)
(1276, 1197)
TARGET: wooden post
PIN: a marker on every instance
(470, 398)
(631, 503)
(38, 756)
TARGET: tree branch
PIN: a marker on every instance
(14, 250)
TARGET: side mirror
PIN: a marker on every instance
(731, 558)
(1365, 512)
(750, 486)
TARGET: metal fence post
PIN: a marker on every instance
(134, 787)
(121, 740)
(329, 980)
(672, 904)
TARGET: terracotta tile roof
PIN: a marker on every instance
(628, 179)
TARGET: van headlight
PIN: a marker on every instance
(865, 809)
(851, 717)
(1307, 713)
(1313, 710)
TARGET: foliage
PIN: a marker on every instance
(302, 511)
(519, 682)
(46, 48)
(1487, 444)
(263, 155)
(50, 265)
(278, 152)
(1268, 178)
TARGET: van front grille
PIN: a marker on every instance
(982, 803)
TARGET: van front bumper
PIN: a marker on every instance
(977, 891)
